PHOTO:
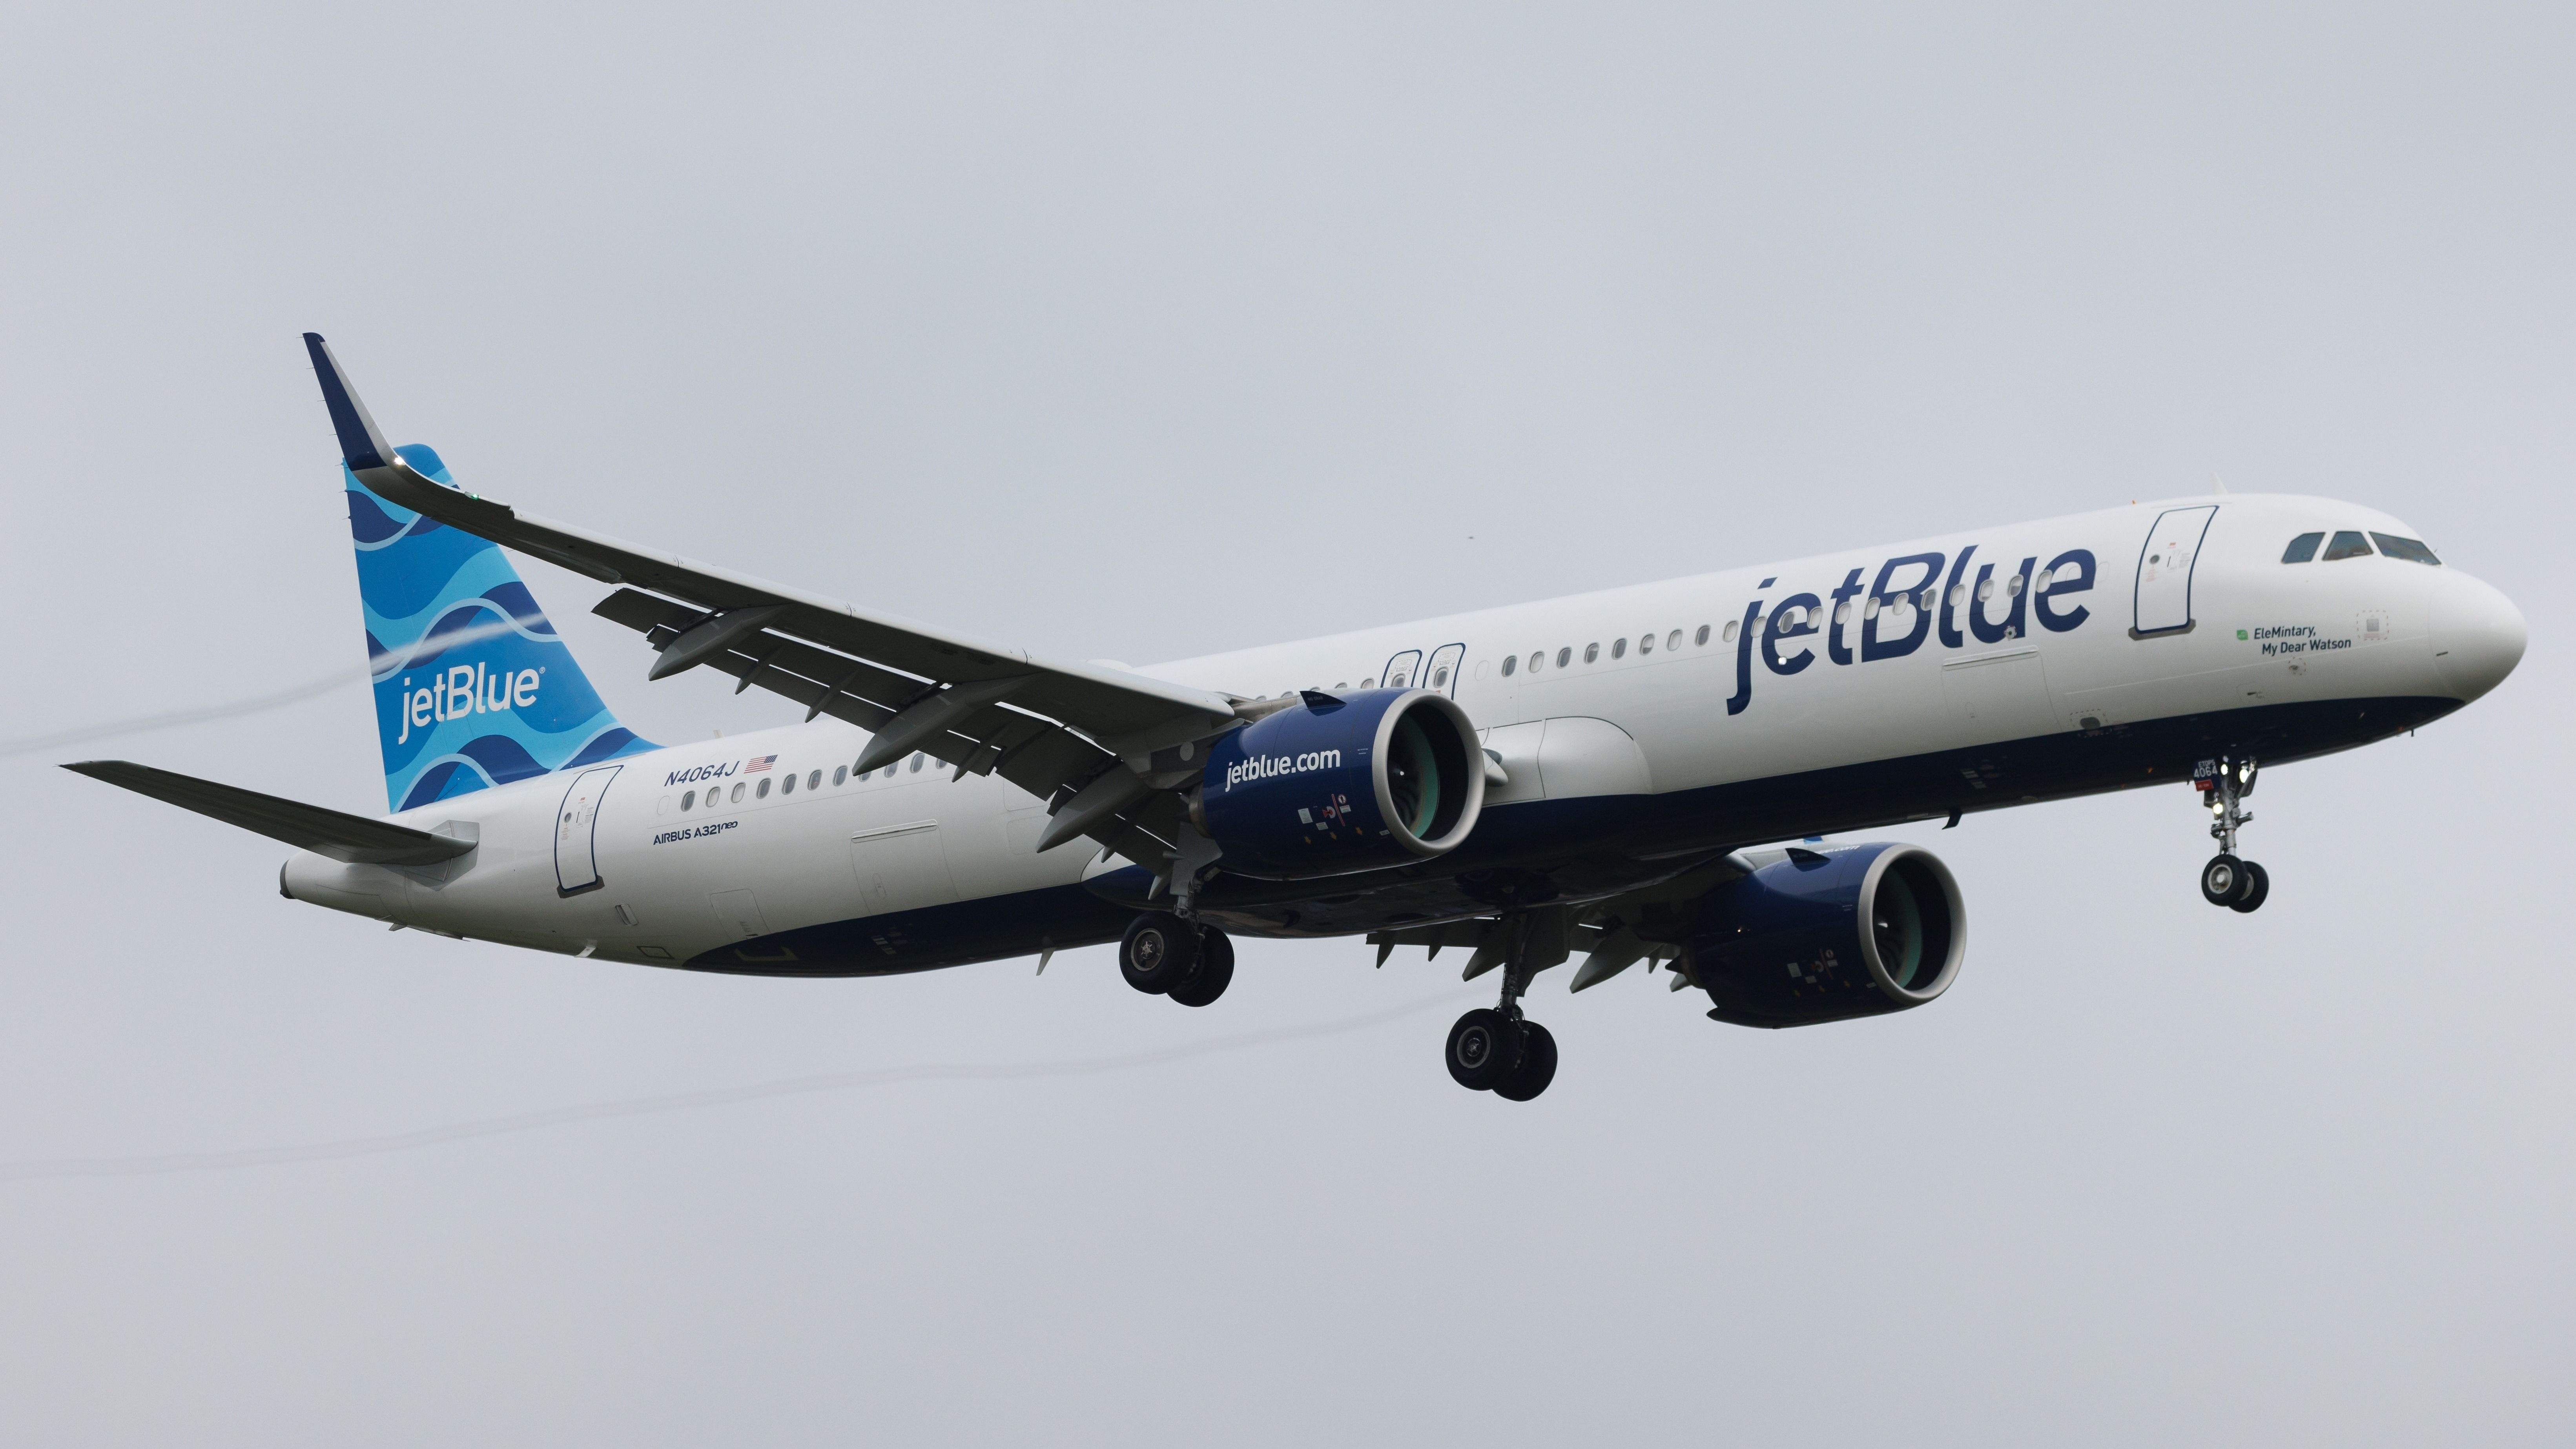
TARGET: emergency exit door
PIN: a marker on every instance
(2165, 563)
(577, 829)
(1442, 673)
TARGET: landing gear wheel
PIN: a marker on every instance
(1537, 1068)
(1483, 1049)
(1215, 969)
(1157, 952)
(2225, 880)
(2258, 884)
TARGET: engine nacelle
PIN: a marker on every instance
(1852, 930)
(1328, 786)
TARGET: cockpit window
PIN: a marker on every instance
(2410, 549)
(2348, 544)
(2302, 548)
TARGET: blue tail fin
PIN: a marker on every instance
(473, 689)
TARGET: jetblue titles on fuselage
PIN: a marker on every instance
(1909, 594)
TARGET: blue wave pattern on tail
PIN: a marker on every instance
(473, 689)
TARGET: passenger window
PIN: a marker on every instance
(788, 788)
(1619, 647)
(1510, 663)
(1730, 632)
(1591, 653)
(916, 762)
(1673, 640)
(2302, 548)
(814, 780)
(1645, 643)
(1565, 656)
(763, 792)
(737, 792)
(688, 801)
(1703, 633)
(2348, 544)
(2012, 587)
(1440, 677)
(840, 773)
(2410, 549)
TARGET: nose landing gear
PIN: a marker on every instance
(2228, 880)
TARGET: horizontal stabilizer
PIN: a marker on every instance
(351, 838)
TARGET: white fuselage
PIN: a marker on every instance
(697, 852)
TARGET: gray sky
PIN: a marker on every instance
(1141, 333)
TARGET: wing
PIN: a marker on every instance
(1084, 738)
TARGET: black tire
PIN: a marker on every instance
(1483, 1049)
(2258, 887)
(2224, 881)
(1215, 970)
(1537, 1068)
(1157, 951)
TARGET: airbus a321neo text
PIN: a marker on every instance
(1524, 785)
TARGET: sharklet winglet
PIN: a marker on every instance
(361, 445)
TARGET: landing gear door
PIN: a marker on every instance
(1401, 670)
(1443, 673)
(577, 829)
(2165, 564)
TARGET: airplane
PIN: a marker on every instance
(1592, 774)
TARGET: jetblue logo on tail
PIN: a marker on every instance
(473, 687)
(467, 689)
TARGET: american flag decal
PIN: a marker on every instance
(754, 767)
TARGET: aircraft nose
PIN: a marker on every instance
(2478, 635)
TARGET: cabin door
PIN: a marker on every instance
(577, 831)
(2164, 570)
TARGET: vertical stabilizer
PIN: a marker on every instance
(473, 688)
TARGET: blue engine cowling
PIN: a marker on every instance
(1827, 935)
(1328, 785)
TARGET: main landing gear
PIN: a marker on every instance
(1167, 956)
(1499, 1050)
(2228, 880)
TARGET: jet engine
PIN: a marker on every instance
(1826, 935)
(1330, 785)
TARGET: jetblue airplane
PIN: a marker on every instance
(1583, 775)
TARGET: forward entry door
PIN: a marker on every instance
(577, 829)
(1400, 670)
(2164, 570)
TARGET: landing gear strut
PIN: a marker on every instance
(1166, 956)
(1499, 1050)
(2229, 880)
